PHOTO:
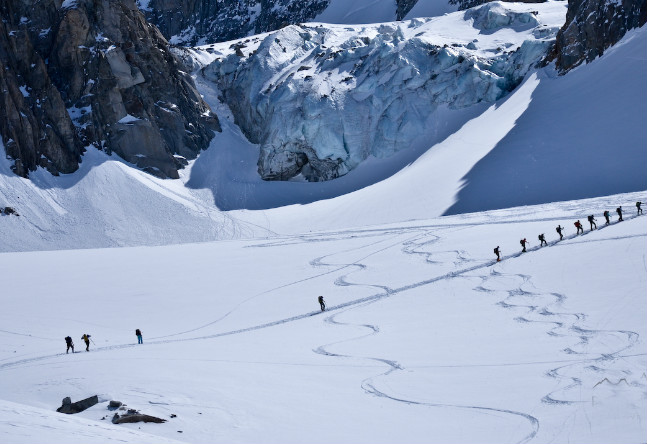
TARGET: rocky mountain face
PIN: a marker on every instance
(77, 73)
(592, 26)
(194, 22)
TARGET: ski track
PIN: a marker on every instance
(538, 307)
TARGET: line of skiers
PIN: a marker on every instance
(86, 338)
(578, 225)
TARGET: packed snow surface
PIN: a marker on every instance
(426, 338)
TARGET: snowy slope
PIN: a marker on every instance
(426, 338)
(378, 11)
(552, 139)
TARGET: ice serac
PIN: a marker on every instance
(94, 73)
(466, 4)
(592, 26)
(319, 101)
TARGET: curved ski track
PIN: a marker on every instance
(536, 304)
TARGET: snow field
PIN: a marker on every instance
(426, 338)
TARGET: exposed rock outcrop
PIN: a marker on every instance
(70, 407)
(134, 416)
(192, 22)
(592, 26)
(94, 72)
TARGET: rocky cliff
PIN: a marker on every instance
(592, 26)
(77, 73)
(193, 22)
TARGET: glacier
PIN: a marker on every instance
(321, 100)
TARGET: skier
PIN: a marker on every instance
(606, 217)
(592, 222)
(542, 240)
(140, 340)
(619, 211)
(498, 254)
(640, 210)
(322, 303)
(523, 243)
(578, 225)
(559, 231)
(86, 338)
(70, 344)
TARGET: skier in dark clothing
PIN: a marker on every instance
(542, 240)
(140, 340)
(70, 344)
(640, 210)
(619, 211)
(592, 222)
(559, 231)
(322, 303)
(498, 253)
(578, 225)
(606, 217)
(523, 243)
(86, 339)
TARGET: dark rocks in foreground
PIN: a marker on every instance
(70, 407)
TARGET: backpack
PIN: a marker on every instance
(68, 339)
(495, 251)
(558, 229)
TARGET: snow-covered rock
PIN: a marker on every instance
(320, 100)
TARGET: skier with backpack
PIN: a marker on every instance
(606, 217)
(497, 251)
(138, 333)
(578, 225)
(86, 339)
(591, 219)
(542, 240)
(640, 210)
(523, 243)
(69, 343)
(619, 211)
(559, 231)
(322, 304)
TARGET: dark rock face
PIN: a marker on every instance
(94, 73)
(192, 22)
(70, 407)
(403, 7)
(592, 26)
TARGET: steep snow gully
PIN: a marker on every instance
(597, 357)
